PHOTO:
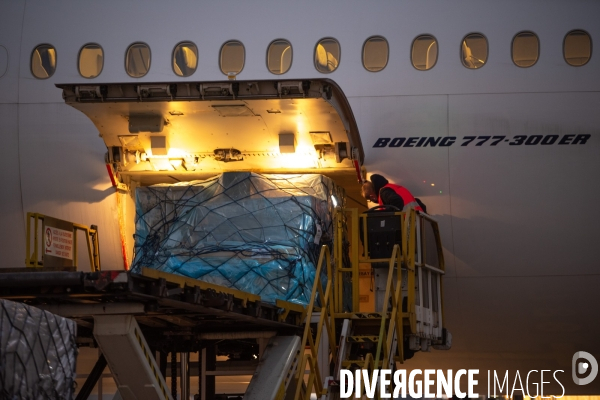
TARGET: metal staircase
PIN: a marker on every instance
(408, 315)
(130, 359)
(276, 369)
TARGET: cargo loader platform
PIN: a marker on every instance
(138, 319)
(158, 300)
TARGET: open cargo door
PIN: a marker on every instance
(174, 132)
(166, 132)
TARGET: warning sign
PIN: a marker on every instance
(58, 242)
(365, 273)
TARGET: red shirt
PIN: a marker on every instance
(407, 197)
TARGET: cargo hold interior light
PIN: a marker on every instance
(199, 129)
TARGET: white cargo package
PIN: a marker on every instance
(38, 353)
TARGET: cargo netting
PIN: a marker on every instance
(257, 233)
(37, 353)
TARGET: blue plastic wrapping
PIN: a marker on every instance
(257, 233)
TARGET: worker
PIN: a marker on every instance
(379, 190)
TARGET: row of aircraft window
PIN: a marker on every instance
(577, 51)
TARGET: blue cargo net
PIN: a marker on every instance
(261, 234)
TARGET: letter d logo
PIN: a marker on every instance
(582, 367)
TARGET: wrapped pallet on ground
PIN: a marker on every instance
(38, 353)
(256, 233)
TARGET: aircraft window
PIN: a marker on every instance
(279, 56)
(43, 61)
(577, 48)
(3, 60)
(327, 55)
(137, 60)
(185, 59)
(91, 60)
(525, 49)
(424, 52)
(375, 53)
(233, 57)
(474, 50)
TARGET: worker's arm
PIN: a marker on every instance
(390, 198)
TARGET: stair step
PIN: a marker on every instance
(371, 315)
(363, 339)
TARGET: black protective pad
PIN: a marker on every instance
(383, 232)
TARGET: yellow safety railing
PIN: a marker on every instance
(402, 259)
(32, 256)
(340, 219)
(438, 248)
(326, 319)
(392, 295)
(392, 317)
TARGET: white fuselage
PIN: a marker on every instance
(519, 222)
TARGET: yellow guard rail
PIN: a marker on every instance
(32, 256)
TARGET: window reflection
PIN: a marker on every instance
(279, 57)
(375, 53)
(232, 58)
(424, 52)
(43, 61)
(91, 60)
(327, 55)
(525, 49)
(3, 60)
(577, 48)
(185, 59)
(474, 51)
(137, 60)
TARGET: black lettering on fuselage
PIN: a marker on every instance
(528, 140)
(410, 142)
(431, 141)
(420, 142)
(382, 142)
(581, 139)
(447, 141)
(566, 139)
(397, 142)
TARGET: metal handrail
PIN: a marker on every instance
(340, 226)
(391, 326)
(32, 258)
(326, 318)
(392, 294)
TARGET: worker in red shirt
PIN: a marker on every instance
(379, 190)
